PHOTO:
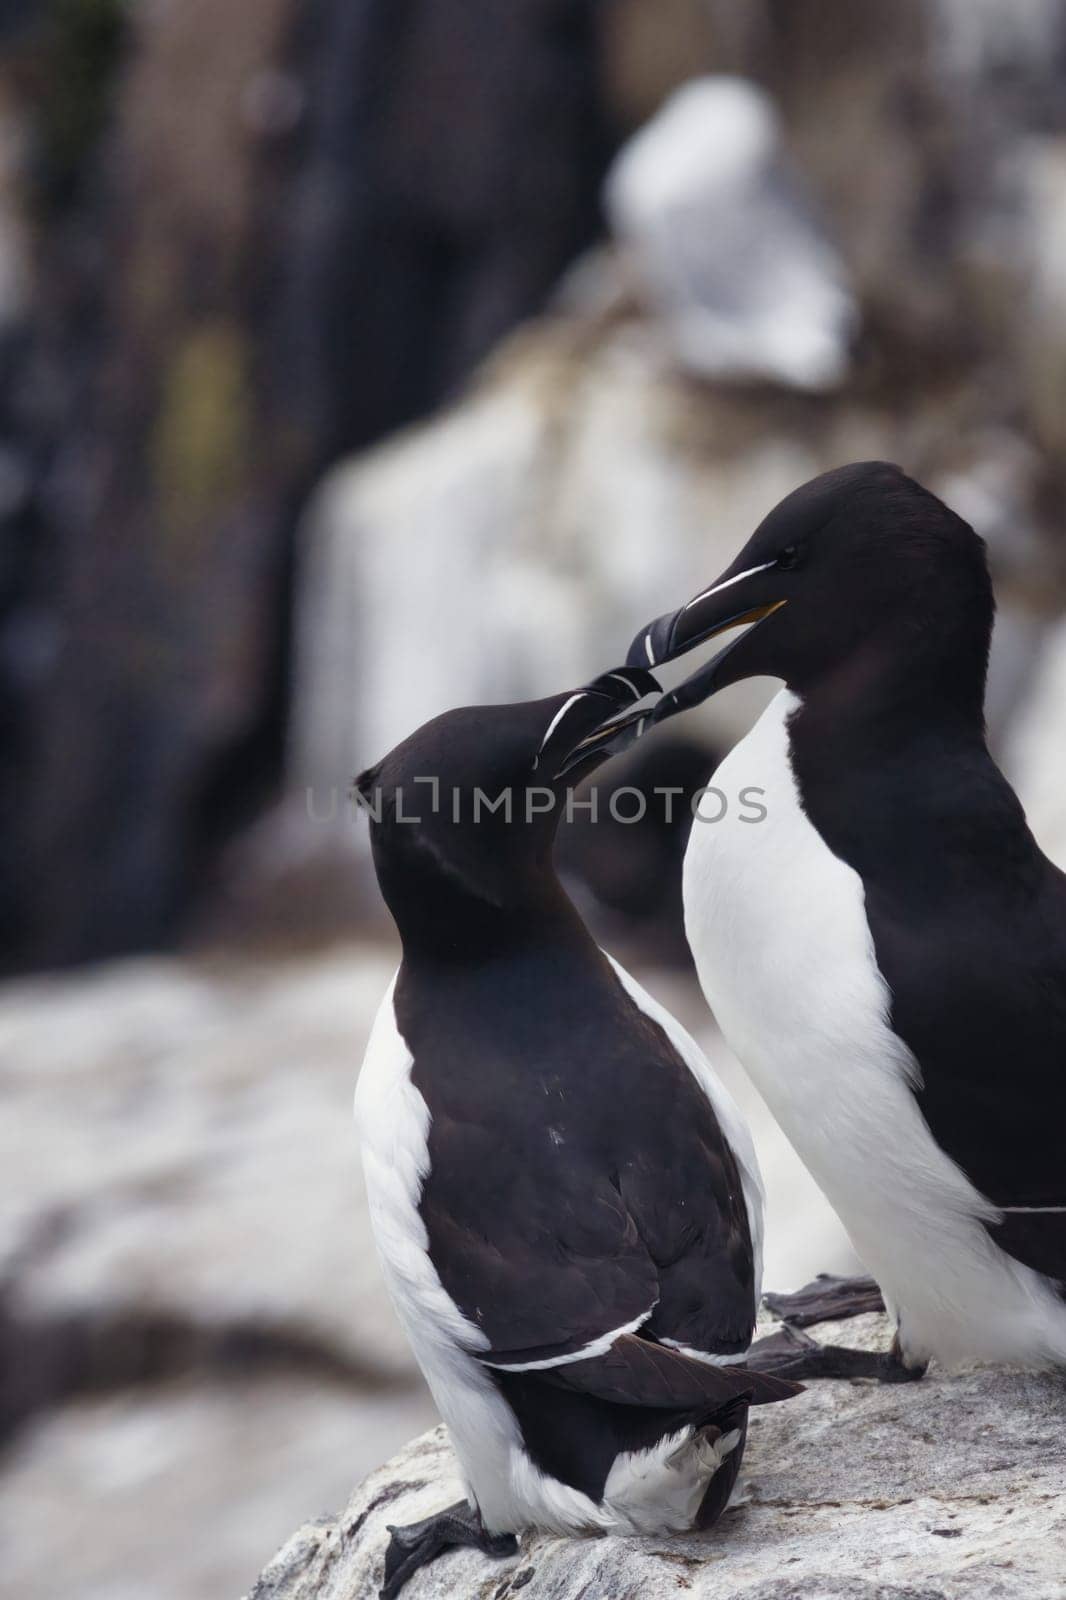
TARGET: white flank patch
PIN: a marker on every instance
(660, 1490)
(778, 928)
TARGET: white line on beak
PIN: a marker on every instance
(554, 723)
(716, 588)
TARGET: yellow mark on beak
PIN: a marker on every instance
(756, 614)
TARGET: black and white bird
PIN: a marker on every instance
(726, 244)
(566, 1201)
(886, 950)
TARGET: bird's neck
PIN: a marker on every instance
(897, 778)
(442, 921)
(894, 700)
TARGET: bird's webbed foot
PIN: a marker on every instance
(791, 1354)
(419, 1543)
(827, 1299)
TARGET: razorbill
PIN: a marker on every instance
(886, 951)
(565, 1200)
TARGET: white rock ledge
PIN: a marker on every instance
(952, 1487)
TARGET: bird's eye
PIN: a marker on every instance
(790, 557)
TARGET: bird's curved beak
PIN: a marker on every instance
(610, 714)
(738, 599)
(600, 720)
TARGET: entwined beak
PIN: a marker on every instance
(737, 599)
(600, 720)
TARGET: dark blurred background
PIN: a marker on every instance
(359, 358)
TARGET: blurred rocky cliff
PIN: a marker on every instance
(260, 236)
(240, 244)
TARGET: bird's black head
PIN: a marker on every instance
(463, 814)
(859, 577)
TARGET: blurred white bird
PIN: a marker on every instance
(725, 242)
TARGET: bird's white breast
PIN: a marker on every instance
(392, 1120)
(784, 953)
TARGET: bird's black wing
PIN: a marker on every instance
(968, 921)
(978, 987)
(544, 1258)
(579, 1180)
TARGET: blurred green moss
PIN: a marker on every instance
(202, 437)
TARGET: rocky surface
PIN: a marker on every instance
(180, 1151)
(173, 1491)
(951, 1489)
